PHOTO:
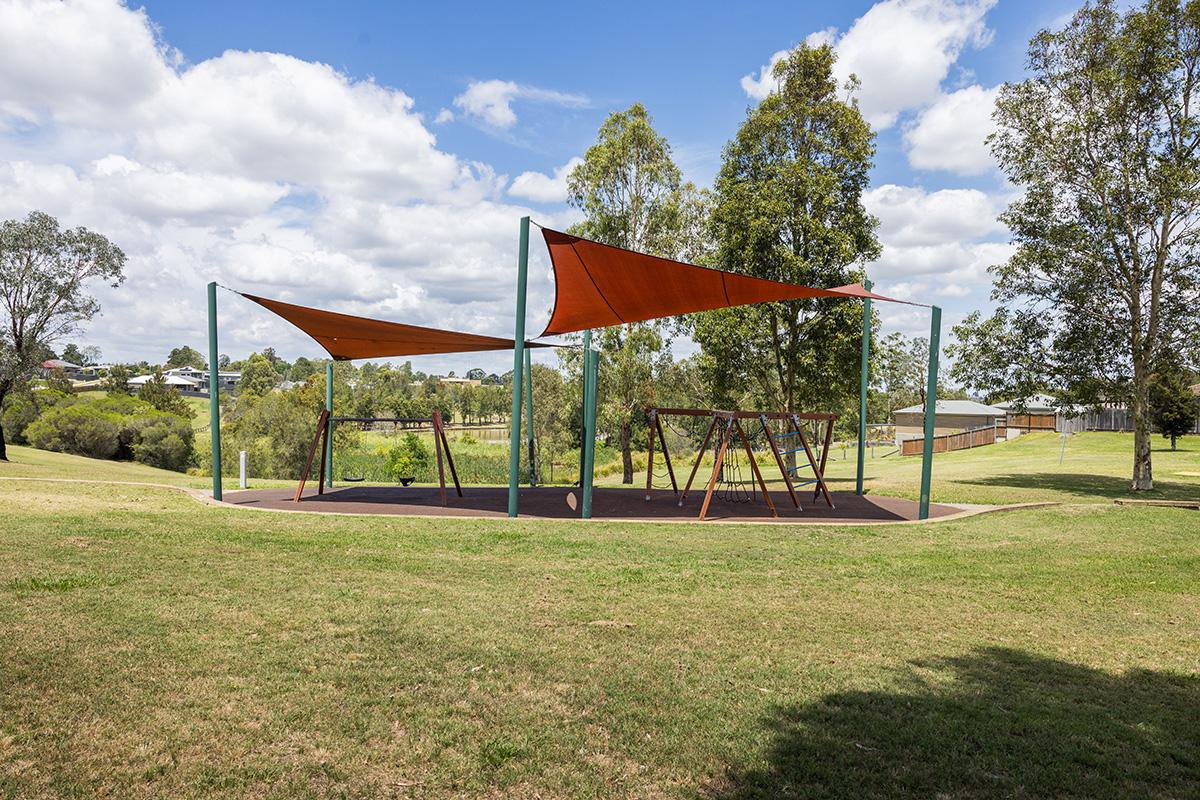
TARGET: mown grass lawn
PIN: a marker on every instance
(151, 646)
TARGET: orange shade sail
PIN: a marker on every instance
(347, 337)
(598, 285)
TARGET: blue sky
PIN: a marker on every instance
(374, 158)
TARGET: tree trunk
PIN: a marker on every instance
(626, 453)
(1172, 443)
(3, 447)
(1142, 474)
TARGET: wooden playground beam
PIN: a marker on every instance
(322, 419)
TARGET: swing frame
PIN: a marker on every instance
(324, 436)
(730, 421)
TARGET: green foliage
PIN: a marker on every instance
(117, 380)
(166, 441)
(119, 427)
(258, 376)
(1174, 407)
(83, 429)
(186, 357)
(1103, 140)
(164, 397)
(22, 408)
(789, 208)
(44, 273)
(407, 458)
(632, 195)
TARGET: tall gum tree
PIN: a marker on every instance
(1103, 140)
(44, 273)
(633, 196)
(788, 207)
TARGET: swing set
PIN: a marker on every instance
(324, 439)
(726, 482)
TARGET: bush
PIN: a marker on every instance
(22, 409)
(82, 429)
(119, 427)
(163, 440)
(409, 458)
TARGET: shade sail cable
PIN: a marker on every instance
(598, 285)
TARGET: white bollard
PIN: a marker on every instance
(242, 469)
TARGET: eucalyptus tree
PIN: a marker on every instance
(44, 277)
(788, 207)
(633, 196)
(1103, 140)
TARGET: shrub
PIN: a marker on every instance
(163, 440)
(22, 409)
(408, 458)
(82, 429)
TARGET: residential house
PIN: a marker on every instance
(950, 416)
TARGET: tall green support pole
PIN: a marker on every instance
(862, 391)
(214, 391)
(589, 436)
(514, 442)
(583, 396)
(329, 425)
(935, 333)
(531, 455)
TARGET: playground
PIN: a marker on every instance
(598, 285)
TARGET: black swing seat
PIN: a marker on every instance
(407, 481)
(353, 478)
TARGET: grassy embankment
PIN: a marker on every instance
(151, 646)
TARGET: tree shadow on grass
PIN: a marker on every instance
(996, 723)
(1084, 485)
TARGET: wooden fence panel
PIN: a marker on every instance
(1033, 422)
(964, 440)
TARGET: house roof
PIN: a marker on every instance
(170, 380)
(963, 407)
(1032, 403)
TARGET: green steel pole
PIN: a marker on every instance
(214, 391)
(862, 391)
(514, 442)
(587, 345)
(590, 433)
(329, 425)
(935, 332)
(529, 417)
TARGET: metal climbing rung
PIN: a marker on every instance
(785, 435)
(789, 452)
(806, 483)
(799, 466)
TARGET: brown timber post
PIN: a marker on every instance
(652, 417)
(437, 446)
(712, 482)
(312, 451)
(754, 467)
(787, 479)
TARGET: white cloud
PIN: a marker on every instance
(761, 85)
(542, 188)
(259, 170)
(492, 101)
(443, 116)
(909, 215)
(949, 135)
(78, 62)
(901, 50)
